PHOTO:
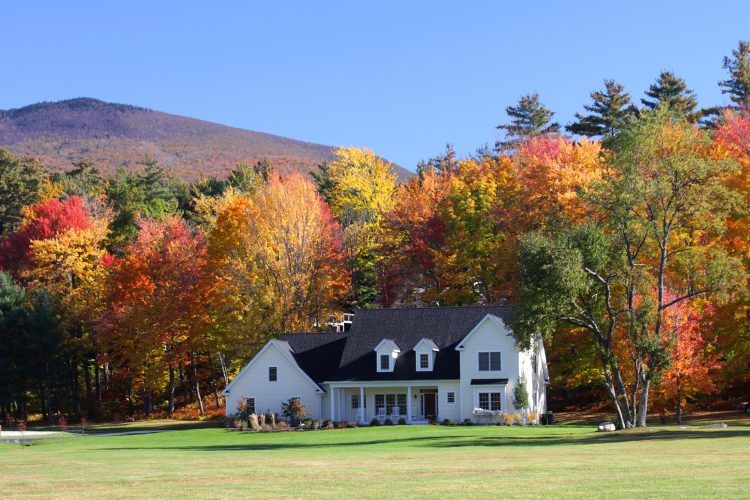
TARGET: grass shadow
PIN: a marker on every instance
(600, 438)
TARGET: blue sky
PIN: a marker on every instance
(401, 77)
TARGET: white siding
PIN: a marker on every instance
(253, 383)
(486, 338)
(446, 410)
(490, 335)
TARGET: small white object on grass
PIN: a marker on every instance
(606, 427)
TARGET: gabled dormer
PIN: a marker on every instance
(425, 352)
(386, 353)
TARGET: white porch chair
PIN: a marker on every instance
(395, 414)
(381, 414)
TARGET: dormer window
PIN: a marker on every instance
(385, 362)
(386, 353)
(425, 352)
(424, 361)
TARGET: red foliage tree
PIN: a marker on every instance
(42, 221)
(153, 322)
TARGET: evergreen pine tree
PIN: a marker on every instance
(738, 83)
(608, 113)
(520, 395)
(21, 183)
(323, 181)
(444, 162)
(528, 118)
(671, 92)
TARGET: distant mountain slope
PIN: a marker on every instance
(110, 135)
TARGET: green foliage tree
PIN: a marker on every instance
(324, 182)
(12, 315)
(245, 178)
(153, 192)
(444, 162)
(42, 353)
(83, 180)
(527, 118)
(21, 182)
(609, 113)
(738, 66)
(520, 395)
(662, 203)
(671, 92)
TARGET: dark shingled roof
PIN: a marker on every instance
(351, 355)
(319, 354)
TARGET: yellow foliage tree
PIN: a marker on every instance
(359, 187)
(276, 264)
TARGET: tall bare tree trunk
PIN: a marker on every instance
(87, 381)
(213, 380)
(170, 409)
(643, 405)
(223, 369)
(197, 384)
(678, 403)
(98, 384)
(147, 404)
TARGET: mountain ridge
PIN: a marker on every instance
(110, 135)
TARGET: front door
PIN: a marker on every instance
(429, 405)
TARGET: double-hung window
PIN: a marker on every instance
(355, 401)
(489, 361)
(273, 374)
(424, 361)
(489, 401)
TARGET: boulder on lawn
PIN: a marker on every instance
(606, 427)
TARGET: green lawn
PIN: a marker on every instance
(414, 461)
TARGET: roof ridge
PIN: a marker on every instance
(473, 306)
(313, 333)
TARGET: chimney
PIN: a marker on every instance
(342, 326)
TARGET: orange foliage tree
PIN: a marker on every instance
(694, 360)
(153, 324)
(276, 264)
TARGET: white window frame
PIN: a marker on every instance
(395, 396)
(423, 356)
(276, 374)
(490, 393)
(355, 402)
(425, 347)
(500, 389)
(448, 395)
(489, 361)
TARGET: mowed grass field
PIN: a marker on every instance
(399, 461)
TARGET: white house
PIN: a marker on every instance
(411, 363)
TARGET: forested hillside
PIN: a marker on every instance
(113, 135)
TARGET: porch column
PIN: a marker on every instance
(408, 403)
(333, 394)
(362, 404)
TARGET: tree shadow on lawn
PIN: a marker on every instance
(636, 435)
(266, 446)
(460, 441)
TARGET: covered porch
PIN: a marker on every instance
(362, 402)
